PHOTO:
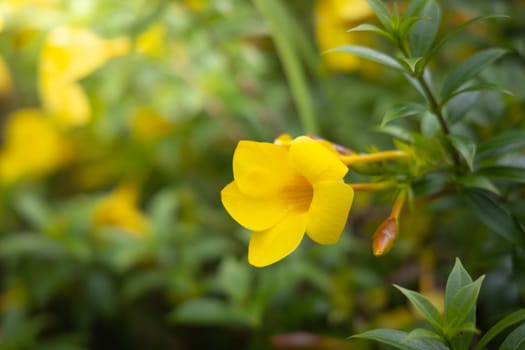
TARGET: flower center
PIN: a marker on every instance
(298, 194)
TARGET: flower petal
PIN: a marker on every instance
(315, 161)
(260, 169)
(329, 211)
(253, 213)
(269, 246)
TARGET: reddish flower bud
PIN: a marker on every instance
(384, 237)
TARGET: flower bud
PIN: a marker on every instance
(384, 237)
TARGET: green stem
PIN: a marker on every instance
(291, 65)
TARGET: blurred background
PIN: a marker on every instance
(118, 122)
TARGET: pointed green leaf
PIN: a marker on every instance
(425, 307)
(429, 125)
(395, 338)
(435, 48)
(494, 214)
(463, 304)
(478, 87)
(411, 64)
(422, 333)
(469, 69)
(457, 279)
(406, 25)
(414, 8)
(368, 53)
(515, 340)
(478, 181)
(398, 132)
(503, 143)
(458, 106)
(381, 11)
(503, 324)
(424, 32)
(466, 147)
(402, 111)
(366, 27)
(508, 173)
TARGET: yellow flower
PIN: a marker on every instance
(33, 147)
(119, 209)
(333, 19)
(279, 192)
(68, 55)
(6, 84)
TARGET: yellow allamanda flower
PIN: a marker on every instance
(70, 54)
(120, 209)
(282, 191)
(332, 20)
(32, 146)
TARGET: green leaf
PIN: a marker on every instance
(469, 69)
(457, 279)
(411, 64)
(429, 125)
(509, 320)
(462, 305)
(494, 214)
(424, 32)
(395, 338)
(368, 53)
(425, 307)
(382, 13)
(435, 48)
(466, 147)
(503, 143)
(422, 333)
(22, 245)
(482, 182)
(508, 173)
(515, 340)
(397, 132)
(478, 87)
(402, 111)
(458, 107)
(366, 27)
(207, 311)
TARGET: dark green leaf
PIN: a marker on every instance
(515, 340)
(508, 173)
(402, 111)
(435, 48)
(397, 132)
(395, 338)
(29, 244)
(493, 213)
(366, 27)
(381, 11)
(466, 147)
(424, 32)
(478, 87)
(469, 69)
(482, 182)
(424, 306)
(368, 53)
(506, 322)
(207, 311)
(503, 143)
(457, 279)
(422, 333)
(429, 125)
(463, 304)
(458, 106)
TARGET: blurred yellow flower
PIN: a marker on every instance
(148, 125)
(6, 84)
(119, 209)
(70, 54)
(279, 192)
(333, 19)
(152, 41)
(32, 147)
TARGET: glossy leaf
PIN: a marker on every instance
(463, 304)
(507, 173)
(424, 32)
(508, 321)
(466, 147)
(515, 340)
(402, 111)
(368, 53)
(491, 212)
(469, 69)
(395, 338)
(381, 11)
(424, 306)
(503, 143)
(366, 27)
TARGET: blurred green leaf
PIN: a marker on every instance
(510, 320)
(466, 147)
(425, 308)
(424, 32)
(469, 69)
(478, 87)
(505, 142)
(402, 111)
(429, 124)
(22, 244)
(515, 340)
(207, 311)
(422, 333)
(369, 54)
(395, 338)
(382, 13)
(459, 106)
(507, 173)
(366, 27)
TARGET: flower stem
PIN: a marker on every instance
(376, 186)
(373, 157)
